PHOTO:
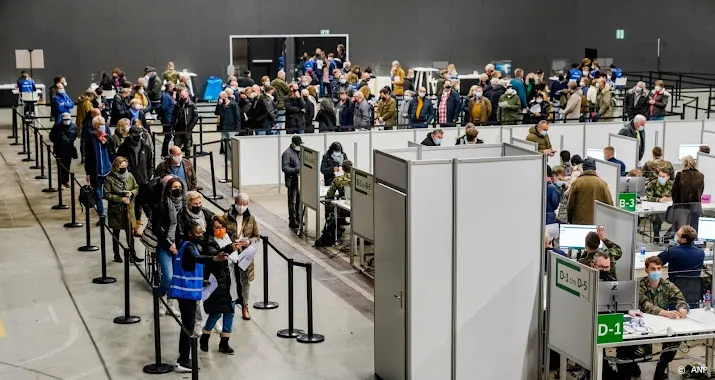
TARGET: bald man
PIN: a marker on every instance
(282, 90)
(178, 166)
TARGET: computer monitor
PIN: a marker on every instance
(615, 296)
(598, 153)
(632, 185)
(706, 229)
(574, 235)
(688, 150)
(503, 66)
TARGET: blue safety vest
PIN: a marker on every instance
(575, 74)
(186, 284)
(26, 85)
(617, 73)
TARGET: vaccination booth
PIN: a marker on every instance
(435, 249)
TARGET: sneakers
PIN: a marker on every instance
(162, 309)
(173, 308)
(183, 366)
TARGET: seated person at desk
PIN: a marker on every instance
(685, 259)
(651, 168)
(593, 240)
(659, 190)
(339, 183)
(656, 296)
(609, 155)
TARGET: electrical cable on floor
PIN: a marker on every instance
(59, 264)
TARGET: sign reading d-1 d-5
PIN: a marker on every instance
(571, 279)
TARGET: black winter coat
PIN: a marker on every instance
(309, 114)
(230, 117)
(497, 92)
(63, 137)
(219, 302)
(326, 121)
(327, 167)
(141, 165)
(185, 117)
(295, 116)
(120, 110)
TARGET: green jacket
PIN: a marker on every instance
(604, 104)
(612, 249)
(114, 189)
(651, 168)
(338, 186)
(544, 142)
(281, 92)
(666, 295)
(654, 191)
(508, 109)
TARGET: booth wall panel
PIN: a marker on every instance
(474, 151)
(257, 160)
(680, 132)
(391, 170)
(450, 135)
(430, 257)
(620, 227)
(706, 165)
(709, 139)
(597, 134)
(573, 135)
(627, 149)
(519, 131)
(653, 138)
(503, 271)
(490, 135)
(709, 125)
(611, 173)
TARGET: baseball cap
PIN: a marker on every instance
(66, 116)
(297, 140)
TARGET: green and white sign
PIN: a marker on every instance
(570, 278)
(620, 34)
(363, 183)
(627, 201)
(610, 328)
(324, 31)
(308, 158)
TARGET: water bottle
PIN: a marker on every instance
(643, 252)
(708, 300)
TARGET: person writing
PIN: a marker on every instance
(332, 160)
(659, 190)
(655, 296)
(539, 135)
(593, 241)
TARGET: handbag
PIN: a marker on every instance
(148, 239)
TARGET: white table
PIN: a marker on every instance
(640, 261)
(647, 208)
(424, 78)
(13, 87)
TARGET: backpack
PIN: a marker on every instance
(150, 193)
(87, 197)
(327, 237)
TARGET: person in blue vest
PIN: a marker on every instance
(615, 73)
(187, 283)
(609, 154)
(26, 85)
(61, 102)
(575, 73)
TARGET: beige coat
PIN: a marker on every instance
(586, 189)
(573, 107)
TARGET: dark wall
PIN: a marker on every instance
(82, 37)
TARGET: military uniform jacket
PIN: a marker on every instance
(338, 186)
(612, 249)
(654, 191)
(665, 295)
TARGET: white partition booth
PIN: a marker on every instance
(677, 133)
(620, 227)
(524, 144)
(708, 138)
(429, 241)
(706, 165)
(611, 173)
(627, 148)
(311, 190)
(362, 190)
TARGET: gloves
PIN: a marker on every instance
(503, 104)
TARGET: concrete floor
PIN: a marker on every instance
(59, 324)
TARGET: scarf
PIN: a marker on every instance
(337, 157)
(102, 165)
(198, 217)
(134, 113)
(175, 203)
(101, 136)
(122, 177)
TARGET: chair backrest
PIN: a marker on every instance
(692, 287)
(621, 81)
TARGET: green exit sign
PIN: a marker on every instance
(324, 31)
(620, 34)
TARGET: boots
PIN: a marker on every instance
(138, 226)
(118, 258)
(661, 371)
(204, 341)
(134, 258)
(223, 346)
(246, 314)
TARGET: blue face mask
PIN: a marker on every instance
(61, 91)
(437, 141)
(661, 181)
(654, 275)
(103, 128)
(558, 183)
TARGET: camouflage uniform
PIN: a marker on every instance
(338, 186)
(612, 249)
(653, 192)
(651, 169)
(171, 76)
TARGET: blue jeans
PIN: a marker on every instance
(229, 148)
(227, 321)
(97, 183)
(657, 118)
(166, 268)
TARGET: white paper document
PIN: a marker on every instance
(208, 289)
(245, 257)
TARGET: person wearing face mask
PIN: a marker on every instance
(177, 166)
(98, 100)
(470, 136)
(530, 87)
(254, 110)
(120, 133)
(120, 191)
(509, 106)
(306, 83)
(559, 176)
(327, 118)
(421, 111)
(139, 93)
(164, 218)
(347, 67)
(229, 118)
(636, 129)
(282, 89)
(604, 101)
(139, 155)
(409, 84)
(265, 81)
(136, 112)
(295, 110)
(386, 112)
(538, 110)
(636, 102)
(659, 296)
(586, 189)
(97, 164)
(243, 227)
(61, 102)
(361, 115)
(341, 85)
(397, 76)
(572, 106)
(477, 108)
(448, 105)
(53, 88)
(553, 197)
(404, 111)
(194, 211)
(187, 285)
(332, 160)
(658, 102)
(63, 135)
(183, 122)
(433, 138)
(120, 106)
(344, 110)
(310, 106)
(659, 189)
(153, 87)
(684, 259)
(652, 167)
(290, 165)
(593, 241)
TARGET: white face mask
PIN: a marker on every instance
(658, 88)
(177, 159)
(137, 107)
(305, 84)
(64, 83)
(266, 83)
(253, 95)
(242, 209)
(539, 100)
(66, 122)
(478, 94)
(343, 81)
(141, 91)
(583, 84)
(296, 148)
(511, 91)
(422, 94)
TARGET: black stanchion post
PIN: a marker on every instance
(310, 337)
(153, 139)
(59, 205)
(25, 145)
(265, 304)
(213, 180)
(14, 126)
(201, 133)
(49, 188)
(225, 161)
(127, 318)
(73, 201)
(157, 367)
(28, 151)
(88, 247)
(196, 168)
(194, 358)
(37, 147)
(103, 279)
(290, 332)
(42, 160)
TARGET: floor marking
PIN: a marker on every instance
(74, 334)
(2, 330)
(53, 315)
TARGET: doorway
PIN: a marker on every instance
(262, 55)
